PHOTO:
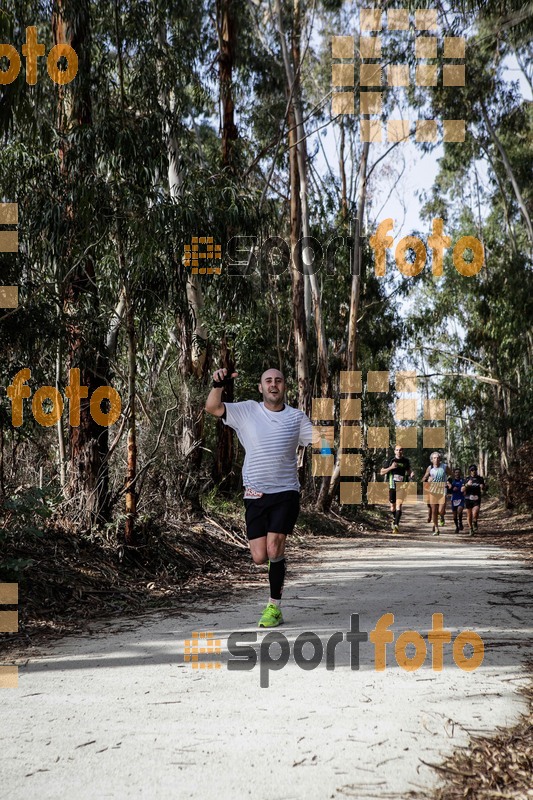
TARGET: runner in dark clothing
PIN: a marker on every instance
(455, 488)
(398, 470)
(474, 487)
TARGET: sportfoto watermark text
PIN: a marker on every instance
(410, 648)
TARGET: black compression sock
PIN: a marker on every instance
(276, 577)
(398, 516)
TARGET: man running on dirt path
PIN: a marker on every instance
(455, 487)
(474, 487)
(270, 433)
(397, 468)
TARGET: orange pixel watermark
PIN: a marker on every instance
(202, 643)
(192, 255)
(9, 623)
(377, 437)
(9, 243)
(375, 76)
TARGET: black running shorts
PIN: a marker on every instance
(393, 494)
(272, 513)
(472, 503)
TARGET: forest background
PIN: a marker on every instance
(214, 118)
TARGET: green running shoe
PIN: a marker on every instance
(271, 617)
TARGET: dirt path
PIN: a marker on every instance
(122, 714)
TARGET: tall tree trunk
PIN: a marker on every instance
(342, 169)
(297, 278)
(508, 428)
(189, 333)
(89, 442)
(226, 26)
(225, 442)
(227, 34)
(2, 481)
(131, 470)
(355, 294)
(292, 73)
(502, 438)
(324, 500)
(510, 174)
(292, 77)
(62, 451)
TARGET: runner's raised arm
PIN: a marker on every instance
(214, 404)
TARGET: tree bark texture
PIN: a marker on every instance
(226, 23)
(89, 442)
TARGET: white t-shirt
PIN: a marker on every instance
(270, 440)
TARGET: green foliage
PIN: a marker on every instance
(23, 518)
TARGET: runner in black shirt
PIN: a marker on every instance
(398, 470)
(474, 487)
(455, 490)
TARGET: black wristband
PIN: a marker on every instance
(222, 384)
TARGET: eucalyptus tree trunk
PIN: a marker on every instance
(342, 170)
(227, 33)
(188, 333)
(297, 278)
(131, 470)
(292, 74)
(222, 470)
(199, 365)
(502, 439)
(226, 28)
(62, 450)
(88, 482)
(355, 293)
(325, 498)
(510, 174)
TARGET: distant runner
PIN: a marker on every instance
(398, 468)
(270, 433)
(474, 487)
(436, 474)
(455, 487)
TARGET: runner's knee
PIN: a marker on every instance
(275, 548)
(258, 550)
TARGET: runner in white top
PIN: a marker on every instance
(436, 474)
(270, 433)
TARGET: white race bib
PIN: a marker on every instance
(397, 478)
(251, 494)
